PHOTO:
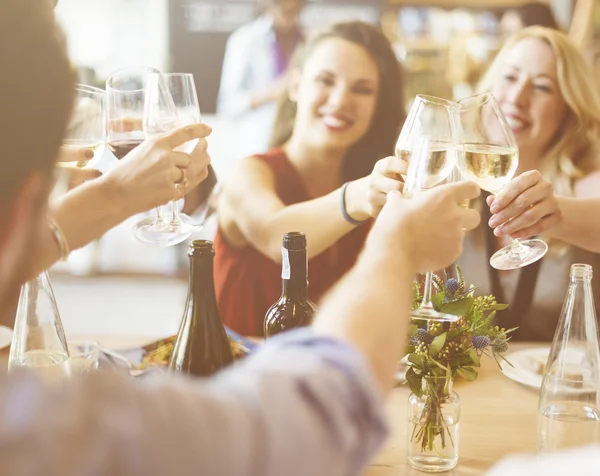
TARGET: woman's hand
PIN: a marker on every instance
(526, 207)
(386, 177)
(154, 172)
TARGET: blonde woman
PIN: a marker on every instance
(545, 89)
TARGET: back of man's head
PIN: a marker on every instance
(36, 94)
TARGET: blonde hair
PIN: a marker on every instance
(574, 151)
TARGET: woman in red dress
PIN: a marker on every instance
(326, 175)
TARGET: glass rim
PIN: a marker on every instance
(425, 98)
(93, 344)
(142, 69)
(581, 270)
(89, 89)
(488, 97)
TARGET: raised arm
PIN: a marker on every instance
(250, 212)
(144, 179)
(310, 402)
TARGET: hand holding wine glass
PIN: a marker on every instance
(525, 208)
(488, 155)
(171, 102)
(150, 174)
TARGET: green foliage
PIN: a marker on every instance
(439, 352)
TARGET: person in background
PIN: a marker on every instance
(256, 60)
(546, 90)
(336, 123)
(309, 402)
(529, 14)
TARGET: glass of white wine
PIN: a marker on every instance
(487, 154)
(86, 129)
(421, 170)
(430, 116)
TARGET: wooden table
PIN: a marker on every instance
(498, 417)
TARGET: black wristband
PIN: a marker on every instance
(347, 217)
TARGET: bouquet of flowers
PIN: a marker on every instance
(438, 352)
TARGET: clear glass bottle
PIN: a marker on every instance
(38, 340)
(433, 426)
(569, 407)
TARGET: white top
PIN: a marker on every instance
(249, 65)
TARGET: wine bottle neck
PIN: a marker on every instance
(294, 274)
(201, 275)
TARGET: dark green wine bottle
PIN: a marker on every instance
(202, 347)
(294, 308)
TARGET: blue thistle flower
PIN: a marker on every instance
(424, 336)
(500, 346)
(481, 342)
(452, 286)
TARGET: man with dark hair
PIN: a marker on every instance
(309, 403)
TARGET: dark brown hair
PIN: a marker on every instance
(536, 13)
(379, 140)
(36, 94)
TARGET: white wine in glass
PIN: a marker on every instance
(489, 166)
(488, 155)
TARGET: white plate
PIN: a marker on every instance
(5, 336)
(525, 363)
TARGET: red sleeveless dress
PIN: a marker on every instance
(247, 283)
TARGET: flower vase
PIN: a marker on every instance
(433, 429)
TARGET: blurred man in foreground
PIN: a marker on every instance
(309, 403)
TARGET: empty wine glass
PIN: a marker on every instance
(171, 102)
(488, 155)
(430, 116)
(421, 170)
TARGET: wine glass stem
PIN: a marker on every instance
(517, 248)
(159, 217)
(175, 220)
(426, 302)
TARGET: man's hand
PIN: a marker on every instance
(428, 229)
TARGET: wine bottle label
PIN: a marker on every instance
(285, 264)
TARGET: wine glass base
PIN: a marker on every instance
(152, 234)
(515, 257)
(432, 316)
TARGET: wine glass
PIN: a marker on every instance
(171, 102)
(430, 116)
(125, 105)
(428, 136)
(488, 155)
(86, 129)
(423, 171)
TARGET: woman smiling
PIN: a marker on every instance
(341, 114)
